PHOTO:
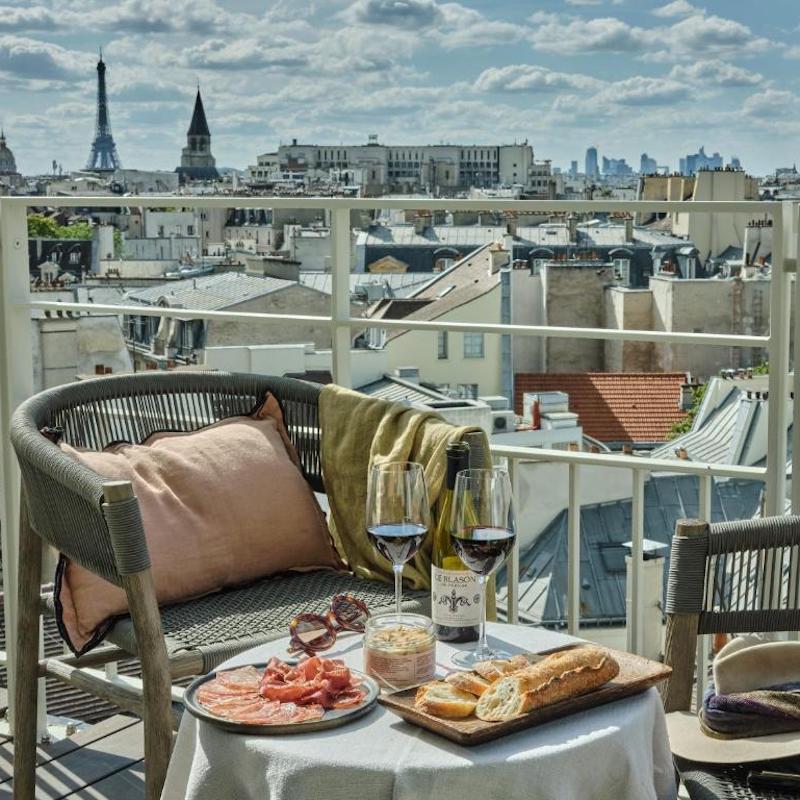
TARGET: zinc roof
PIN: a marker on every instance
(211, 292)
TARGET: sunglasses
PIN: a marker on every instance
(312, 633)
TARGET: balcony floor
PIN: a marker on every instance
(102, 762)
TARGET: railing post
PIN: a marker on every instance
(512, 566)
(341, 336)
(795, 217)
(636, 618)
(784, 224)
(16, 384)
(574, 552)
(704, 509)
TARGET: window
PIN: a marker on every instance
(468, 391)
(473, 345)
(622, 270)
(190, 230)
(442, 345)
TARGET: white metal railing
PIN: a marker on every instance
(16, 378)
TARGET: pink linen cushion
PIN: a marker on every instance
(221, 506)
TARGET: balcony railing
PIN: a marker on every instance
(16, 360)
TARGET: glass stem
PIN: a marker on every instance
(398, 587)
(483, 645)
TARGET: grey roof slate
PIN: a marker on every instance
(604, 529)
(211, 292)
(391, 388)
(401, 284)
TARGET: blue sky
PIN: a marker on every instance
(625, 75)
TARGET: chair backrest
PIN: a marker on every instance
(729, 577)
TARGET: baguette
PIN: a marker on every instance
(559, 676)
(468, 682)
(495, 669)
(443, 700)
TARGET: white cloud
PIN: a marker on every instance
(406, 13)
(643, 91)
(712, 36)
(27, 19)
(464, 27)
(677, 8)
(715, 73)
(243, 54)
(554, 34)
(34, 60)
(531, 78)
(772, 103)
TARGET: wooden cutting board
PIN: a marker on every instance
(635, 675)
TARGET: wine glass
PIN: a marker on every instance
(483, 533)
(398, 515)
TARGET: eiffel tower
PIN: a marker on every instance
(104, 157)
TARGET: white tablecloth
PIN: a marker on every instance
(619, 751)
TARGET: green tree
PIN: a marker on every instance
(685, 425)
(42, 227)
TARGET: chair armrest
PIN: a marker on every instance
(64, 498)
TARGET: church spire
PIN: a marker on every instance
(199, 125)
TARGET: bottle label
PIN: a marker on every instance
(455, 597)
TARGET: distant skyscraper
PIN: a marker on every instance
(592, 169)
(197, 163)
(700, 160)
(616, 166)
(103, 157)
(573, 168)
(735, 162)
(647, 165)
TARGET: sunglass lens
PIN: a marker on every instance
(314, 633)
(350, 612)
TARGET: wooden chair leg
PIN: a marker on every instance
(156, 678)
(27, 655)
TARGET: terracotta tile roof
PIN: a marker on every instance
(614, 407)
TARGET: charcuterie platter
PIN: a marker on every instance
(280, 697)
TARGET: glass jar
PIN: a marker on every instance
(400, 652)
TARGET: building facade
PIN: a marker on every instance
(376, 167)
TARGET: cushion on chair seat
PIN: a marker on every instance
(226, 623)
(221, 506)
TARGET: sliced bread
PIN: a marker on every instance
(468, 682)
(443, 700)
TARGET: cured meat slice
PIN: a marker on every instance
(288, 692)
(349, 698)
(244, 679)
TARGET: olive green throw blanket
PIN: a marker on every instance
(358, 431)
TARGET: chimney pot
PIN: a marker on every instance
(627, 449)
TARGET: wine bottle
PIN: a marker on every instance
(455, 593)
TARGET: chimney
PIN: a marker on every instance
(687, 396)
(573, 447)
(500, 256)
(628, 228)
(511, 224)
(572, 227)
(421, 223)
(627, 449)
(410, 374)
(682, 453)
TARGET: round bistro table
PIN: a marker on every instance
(618, 751)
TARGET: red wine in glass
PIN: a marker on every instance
(397, 541)
(483, 548)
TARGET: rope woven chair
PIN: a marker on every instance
(729, 577)
(97, 524)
